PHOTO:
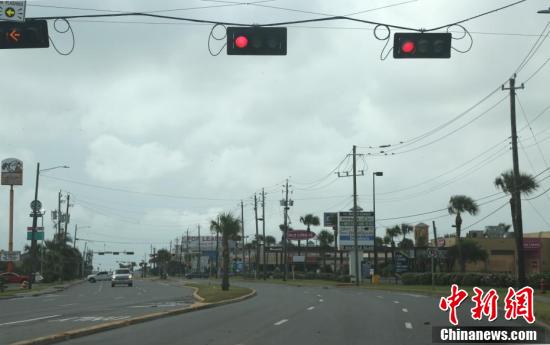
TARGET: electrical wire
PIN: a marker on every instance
(160, 195)
(487, 216)
(333, 18)
(536, 46)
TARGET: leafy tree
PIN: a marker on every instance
(459, 204)
(470, 251)
(162, 259)
(406, 243)
(270, 240)
(526, 185)
(60, 260)
(309, 220)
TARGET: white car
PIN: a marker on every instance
(122, 276)
(104, 275)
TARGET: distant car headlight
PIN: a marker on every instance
(130, 276)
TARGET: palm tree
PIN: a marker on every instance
(308, 220)
(270, 240)
(230, 228)
(325, 240)
(393, 233)
(214, 228)
(405, 230)
(387, 242)
(459, 204)
(526, 185)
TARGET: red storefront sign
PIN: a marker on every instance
(531, 244)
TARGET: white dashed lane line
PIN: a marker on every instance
(310, 308)
(28, 320)
(408, 325)
(66, 305)
(321, 300)
(405, 310)
(278, 323)
(396, 302)
(381, 297)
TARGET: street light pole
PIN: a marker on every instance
(374, 174)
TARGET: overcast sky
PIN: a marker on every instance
(145, 108)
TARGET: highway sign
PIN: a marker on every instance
(10, 256)
(330, 219)
(365, 230)
(12, 170)
(36, 205)
(13, 10)
(38, 234)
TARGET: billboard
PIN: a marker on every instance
(295, 235)
(206, 243)
(12, 172)
(365, 230)
(421, 235)
(330, 219)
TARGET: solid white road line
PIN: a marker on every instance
(408, 325)
(405, 310)
(278, 323)
(310, 308)
(29, 320)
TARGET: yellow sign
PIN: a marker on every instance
(10, 12)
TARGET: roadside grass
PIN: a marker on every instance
(214, 293)
(293, 282)
(35, 288)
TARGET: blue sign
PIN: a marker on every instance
(401, 263)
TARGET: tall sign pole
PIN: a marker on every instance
(263, 234)
(242, 231)
(256, 261)
(35, 223)
(285, 233)
(12, 175)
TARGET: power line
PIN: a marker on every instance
(333, 18)
(538, 43)
(487, 216)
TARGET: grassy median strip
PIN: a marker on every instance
(213, 293)
(36, 288)
(294, 282)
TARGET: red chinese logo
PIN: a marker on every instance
(519, 304)
(452, 302)
(484, 305)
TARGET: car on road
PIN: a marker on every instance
(122, 276)
(196, 275)
(12, 277)
(100, 276)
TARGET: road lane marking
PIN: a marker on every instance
(381, 297)
(318, 295)
(28, 320)
(405, 310)
(80, 295)
(278, 323)
(408, 325)
(396, 302)
(321, 300)
(66, 305)
(310, 308)
(119, 297)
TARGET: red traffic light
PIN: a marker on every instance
(241, 42)
(408, 47)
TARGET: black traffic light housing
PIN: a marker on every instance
(256, 40)
(29, 34)
(427, 45)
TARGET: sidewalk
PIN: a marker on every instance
(51, 289)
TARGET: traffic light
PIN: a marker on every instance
(29, 34)
(256, 40)
(428, 45)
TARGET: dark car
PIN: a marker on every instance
(196, 275)
(12, 277)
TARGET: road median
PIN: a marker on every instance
(208, 291)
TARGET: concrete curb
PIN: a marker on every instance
(81, 332)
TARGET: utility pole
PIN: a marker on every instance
(181, 256)
(67, 217)
(75, 232)
(285, 203)
(242, 231)
(263, 233)
(34, 225)
(355, 242)
(516, 193)
(256, 261)
(199, 259)
(357, 271)
(435, 234)
(59, 213)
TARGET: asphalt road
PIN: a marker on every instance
(86, 304)
(299, 315)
